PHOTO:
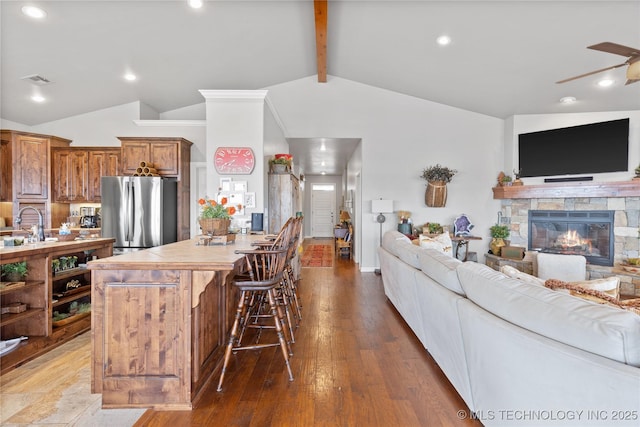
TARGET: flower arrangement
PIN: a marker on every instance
(438, 173)
(209, 208)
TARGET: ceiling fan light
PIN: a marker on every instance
(633, 71)
(605, 82)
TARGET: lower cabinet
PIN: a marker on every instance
(52, 304)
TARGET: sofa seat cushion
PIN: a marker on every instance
(596, 328)
(391, 239)
(441, 268)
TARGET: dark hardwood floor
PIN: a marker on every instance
(355, 363)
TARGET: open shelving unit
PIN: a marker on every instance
(45, 292)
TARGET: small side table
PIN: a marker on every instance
(463, 241)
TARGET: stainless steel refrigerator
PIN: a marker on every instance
(139, 212)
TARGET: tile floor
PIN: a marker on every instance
(54, 390)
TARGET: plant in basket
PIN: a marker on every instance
(215, 217)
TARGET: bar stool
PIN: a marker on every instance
(265, 269)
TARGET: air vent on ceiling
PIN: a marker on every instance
(36, 79)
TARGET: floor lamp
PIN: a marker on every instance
(381, 207)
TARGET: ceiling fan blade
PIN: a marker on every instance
(631, 81)
(592, 72)
(618, 49)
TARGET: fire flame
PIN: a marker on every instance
(571, 239)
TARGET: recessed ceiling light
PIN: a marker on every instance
(130, 77)
(323, 147)
(605, 82)
(323, 163)
(443, 40)
(38, 98)
(568, 99)
(196, 4)
(323, 173)
(34, 12)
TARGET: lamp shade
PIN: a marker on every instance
(382, 206)
(344, 216)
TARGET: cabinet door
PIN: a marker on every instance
(70, 176)
(164, 156)
(5, 171)
(134, 152)
(32, 175)
(101, 163)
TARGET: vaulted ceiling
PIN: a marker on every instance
(504, 58)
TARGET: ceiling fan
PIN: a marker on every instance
(633, 61)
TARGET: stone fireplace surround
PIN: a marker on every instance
(623, 198)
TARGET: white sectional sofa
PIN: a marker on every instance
(517, 353)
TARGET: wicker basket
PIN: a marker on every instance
(215, 226)
(436, 194)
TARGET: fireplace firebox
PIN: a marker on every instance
(587, 233)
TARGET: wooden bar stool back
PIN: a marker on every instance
(265, 269)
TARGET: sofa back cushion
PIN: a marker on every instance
(441, 268)
(391, 238)
(603, 330)
(408, 253)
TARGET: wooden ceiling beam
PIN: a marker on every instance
(320, 8)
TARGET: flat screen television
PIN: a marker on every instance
(576, 150)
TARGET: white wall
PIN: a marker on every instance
(401, 135)
(538, 122)
(102, 127)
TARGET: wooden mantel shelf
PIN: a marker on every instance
(569, 190)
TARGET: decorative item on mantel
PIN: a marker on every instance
(437, 178)
(504, 180)
(637, 171)
(516, 177)
(215, 218)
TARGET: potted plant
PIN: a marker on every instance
(281, 163)
(215, 217)
(437, 178)
(498, 234)
(506, 181)
(15, 271)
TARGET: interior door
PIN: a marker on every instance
(323, 210)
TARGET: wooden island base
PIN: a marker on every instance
(160, 320)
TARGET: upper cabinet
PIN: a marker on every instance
(6, 180)
(166, 154)
(103, 162)
(76, 172)
(30, 163)
(69, 175)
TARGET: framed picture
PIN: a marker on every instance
(240, 186)
(236, 198)
(250, 199)
(225, 184)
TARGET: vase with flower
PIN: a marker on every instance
(215, 217)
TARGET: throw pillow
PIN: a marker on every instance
(609, 285)
(514, 273)
(599, 297)
(441, 242)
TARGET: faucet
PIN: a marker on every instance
(40, 221)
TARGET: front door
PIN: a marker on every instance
(323, 210)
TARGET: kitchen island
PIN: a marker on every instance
(160, 320)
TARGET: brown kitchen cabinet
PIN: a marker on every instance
(171, 157)
(26, 161)
(102, 162)
(70, 175)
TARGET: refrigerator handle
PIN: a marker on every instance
(128, 220)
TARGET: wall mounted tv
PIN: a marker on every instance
(585, 149)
